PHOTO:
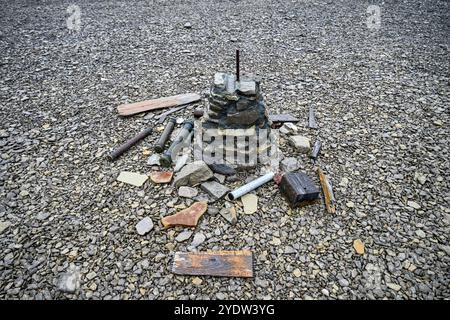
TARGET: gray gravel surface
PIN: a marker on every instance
(382, 104)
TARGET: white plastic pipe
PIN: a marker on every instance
(239, 192)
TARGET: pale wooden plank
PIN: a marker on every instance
(154, 104)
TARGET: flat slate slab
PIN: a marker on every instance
(133, 178)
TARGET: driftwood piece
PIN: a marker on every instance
(160, 103)
(218, 263)
(327, 192)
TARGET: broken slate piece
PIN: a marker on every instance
(187, 217)
(229, 214)
(193, 174)
(220, 177)
(289, 164)
(70, 281)
(250, 203)
(288, 128)
(223, 169)
(214, 189)
(132, 178)
(144, 226)
(215, 263)
(4, 225)
(161, 176)
(199, 238)
(301, 143)
(183, 236)
(181, 161)
(187, 192)
(153, 160)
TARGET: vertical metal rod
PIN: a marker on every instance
(237, 65)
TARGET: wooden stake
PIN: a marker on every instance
(327, 192)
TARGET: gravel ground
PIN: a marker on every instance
(382, 101)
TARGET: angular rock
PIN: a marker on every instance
(229, 214)
(180, 162)
(43, 215)
(221, 168)
(393, 286)
(197, 281)
(414, 205)
(301, 143)
(193, 174)
(421, 234)
(70, 281)
(4, 225)
(132, 178)
(288, 128)
(161, 176)
(199, 238)
(183, 236)
(247, 87)
(250, 203)
(187, 192)
(187, 217)
(188, 25)
(153, 160)
(214, 189)
(144, 226)
(289, 164)
(220, 177)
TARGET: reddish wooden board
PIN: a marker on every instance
(160, 103)
(214, 263)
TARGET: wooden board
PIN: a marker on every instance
(215, 263)
(160, 103)
(281, 118)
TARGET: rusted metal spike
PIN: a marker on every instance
(237, 65)
(217, 263)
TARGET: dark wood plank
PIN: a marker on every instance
(217, 263)
(166, 102)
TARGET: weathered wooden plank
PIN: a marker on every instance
(160, 103)
(327, 192)
(215, 263)
(281, 118)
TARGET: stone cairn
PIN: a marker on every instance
(235, 122)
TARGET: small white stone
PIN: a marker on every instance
(144, 226)
(301, 143)
(413, 205)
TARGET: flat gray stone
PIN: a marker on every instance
(180, 162)
(183, 236)
(289, 164)
(229, 214)
(153, 160)
(301, 143)
(42, 215)
(144, 226)
(247, 87)
(70, 281)
(193, 174)
(199, 238)
(214, 189)
(187, 192)
(4, 225)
